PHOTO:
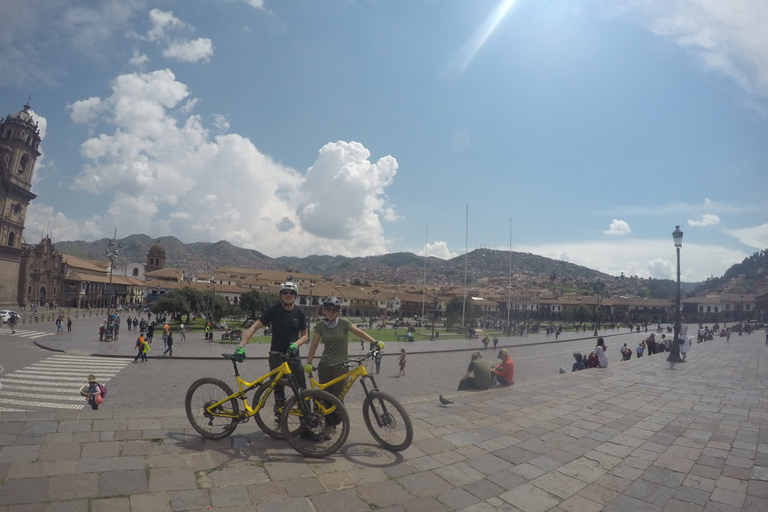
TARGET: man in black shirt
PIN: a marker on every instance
(289, 332)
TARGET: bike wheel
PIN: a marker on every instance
(202, 394)
(268, 416)
(387, 421)
(312, 436)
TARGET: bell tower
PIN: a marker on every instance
(19, 151)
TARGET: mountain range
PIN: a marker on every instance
(530, 271)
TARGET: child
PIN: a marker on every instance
(401, 362)
(93, 390)
(143, 348)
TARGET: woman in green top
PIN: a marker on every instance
(334, 331)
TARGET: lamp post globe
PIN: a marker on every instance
(674, 346)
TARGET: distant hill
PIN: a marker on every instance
(203, 257)
(751, 276)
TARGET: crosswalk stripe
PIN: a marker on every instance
(78, 397)
(54, 382)
(49, 405)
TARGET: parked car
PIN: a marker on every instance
(5, 314)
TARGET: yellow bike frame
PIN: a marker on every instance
(352, 375)
(244, 386)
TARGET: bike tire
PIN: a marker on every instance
(387, 421)
(308, 435)
(200, 395)
(268, 417)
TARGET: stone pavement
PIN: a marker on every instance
(638, 436)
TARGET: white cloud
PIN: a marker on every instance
(257, 4)
(436, 249)
(200, 49)
(138, 60)
(618, 227)
(706, 220)
(729, 38)
(756, 236)
(160, 22)
(643, 257)
(41, 218)
(166, 172)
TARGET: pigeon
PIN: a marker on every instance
(444, 401)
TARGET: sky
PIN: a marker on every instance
(580, 131)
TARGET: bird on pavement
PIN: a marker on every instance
(444, 401)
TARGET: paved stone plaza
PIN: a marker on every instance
(638, 436)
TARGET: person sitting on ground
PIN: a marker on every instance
(601, 353)
(482, 374)
(579, 364)
(505, 371)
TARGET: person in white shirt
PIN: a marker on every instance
(601, 353)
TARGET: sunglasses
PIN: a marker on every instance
(287, 292)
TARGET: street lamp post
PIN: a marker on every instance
(112, 251)
(741, 316)
(434, 316)
(674, 347)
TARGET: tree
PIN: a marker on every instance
(453, 312)
(582, 313)
(174, 303)
(196, 299)
(254, 302)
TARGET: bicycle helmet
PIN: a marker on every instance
(332, 302)
(289, 285)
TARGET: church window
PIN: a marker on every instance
(135, 272)
(11, 238)
(23, 164)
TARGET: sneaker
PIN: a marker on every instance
(310, 436)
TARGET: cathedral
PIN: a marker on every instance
(19, 151)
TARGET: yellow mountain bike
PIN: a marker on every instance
(386, 419)
(213, 409)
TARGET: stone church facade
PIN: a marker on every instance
(19, 151)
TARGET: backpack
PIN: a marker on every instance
(102, 390)
(593, 361)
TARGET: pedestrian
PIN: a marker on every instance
(602, 353)
(333, 331)
(478, 374)
(116, 329)
(183, 331)
(150, 332)
(69, 324)
(59, 326)
(401, 362)
(143, 347)
(377, 359)
(168, 343)
(135, 322)
(165, 340)
(682, 339)
(94, 397)
(504, 371)
(579, 364)
(12, 322)
(486, 340)
(102, 330)
(496, 342)
(289, 332)
(128, 322)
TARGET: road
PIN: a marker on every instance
(39, 379)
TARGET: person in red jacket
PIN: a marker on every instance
(505, 371)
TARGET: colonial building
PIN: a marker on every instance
(155, 258)
(19, 150)
(41, 273)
